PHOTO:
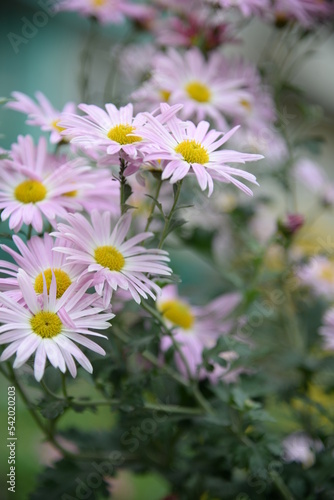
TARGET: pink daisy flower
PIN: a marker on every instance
(307, 12)
(299, 447)
(33, 189)
(109, 260)
(327, 330)
(194, 148)
(108, 11)
(112, 132)
(41, 114)
(200, 84)
(51, 327)
(37, 258)
(318, 274)
(246, 7)
(198, 328)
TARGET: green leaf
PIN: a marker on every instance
(52, 409)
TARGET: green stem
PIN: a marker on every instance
(170, 215)
(281, 486)
(29, 232)
(63, 385)
(156, 195)
(122, 180)
(86, 59)
(193, 383)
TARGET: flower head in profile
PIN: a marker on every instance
(197, 328)
(33, 187)
(246, 7)
(110, 131)
(194, 149)
(110, 260)
(51, 327)
(41, 264)
(327, 330)
(306, 12)
(318, 274)
(41, 113)
(299, 447)
(108, 11)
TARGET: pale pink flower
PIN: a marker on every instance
(318, 274)
(327, 330)
(112, 131)
(188, 148)
(51, 328)
(314, 177)
(111, 261)
(31, 188)
(306, 12)
(41, 114)
(200, 26)
(246, 7)
(202, 85)
(197, 328)
(299, 447)
(108, 11)
(36, 258)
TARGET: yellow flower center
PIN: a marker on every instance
(98, 3)
(46, 324)
(108, 256)
(246, 104)
(62, 279)
(30, 191)
(71, 194)
(165, 95)
(55, 125)
(192, 152)
(179, 313)
(327, 273)
(198, 91)
(119, 134)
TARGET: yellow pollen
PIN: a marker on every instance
(165, 95)
(327, 273)
(30, 191)
(98, 3)
(119, 134)
(71, 194)
(108, 256)
(55, 125)
(46, 324)
(198, 91)
(246, 104)
(179, 313)
(62, 279)
(192, 152)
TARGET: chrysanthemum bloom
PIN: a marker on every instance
(107, 11)
(51, 328)
(189, 148)
(110, 261)
(42, 114)
(318, 274)
(197, 328)
(327, 330)
(200, 85)
(112, 131)
(33, 188)
(38, 260)
(299, 447)
(199, 24)
(314, 177)
(246, 7)
(306, 12)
